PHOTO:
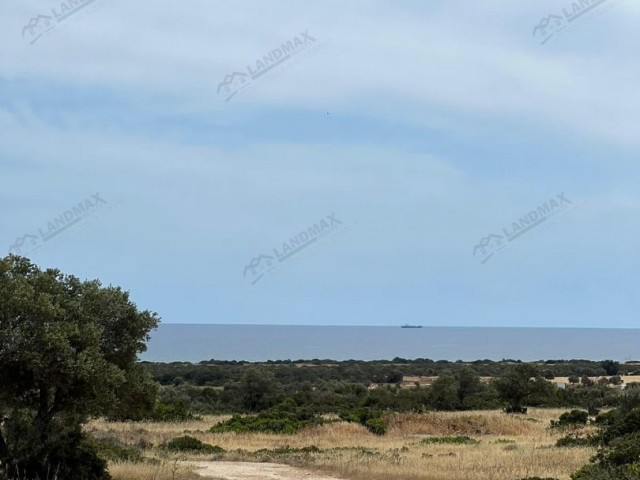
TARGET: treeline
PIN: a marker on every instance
(218, 372)
(334, 387)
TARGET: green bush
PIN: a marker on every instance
(573, 441)
(571, 419)
(370, 418)
(448, 440)
(67, 451)
(619, 448)
(114, 450)
(285, 418)
(600, 472)
(621, 451)
(191, 444)
(377, 426)
(287, 450)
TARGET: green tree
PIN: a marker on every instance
(468, 383)
(394, 377)
(68, 348)
(258, 390)
(520, 384)
(443, 394)
(610, 366)
(136, 396)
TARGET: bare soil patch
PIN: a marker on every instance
(254, 471)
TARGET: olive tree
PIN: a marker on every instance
(68, 352)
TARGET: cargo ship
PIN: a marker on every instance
(410, 326)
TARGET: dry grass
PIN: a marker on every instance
(142, 471)
(350, 451)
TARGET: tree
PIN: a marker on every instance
(520, 384)
(610, 366)
(443, 394)
(394, 377)
(258, 391)
(468, 383)
(616, 380)
(68, 349)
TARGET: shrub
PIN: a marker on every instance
(619, 448)
(285, 418)
(570, 419)
(114, 450)
(191, 444)
(514, 409)
(621, 451)
(68, 453)
(599, 472)
(448, 440)
(573, 441)
(287, 450)
(377, 426)
(370, 418)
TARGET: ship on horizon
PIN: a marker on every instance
(406, 325)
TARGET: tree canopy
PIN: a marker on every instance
(68, 351)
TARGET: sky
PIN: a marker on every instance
(344, 163)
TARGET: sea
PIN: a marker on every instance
(259, 343)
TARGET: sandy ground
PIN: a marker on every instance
(254, 471)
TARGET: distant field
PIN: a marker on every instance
(509, 447)
(413, 381)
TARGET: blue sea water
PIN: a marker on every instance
(194, 343)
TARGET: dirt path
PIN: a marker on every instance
(254, 471)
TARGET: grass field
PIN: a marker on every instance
(508, 447)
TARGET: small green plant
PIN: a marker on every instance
(287, 450)
(449, 440)
(191, 444)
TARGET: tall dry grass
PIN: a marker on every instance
(174, 470)
(511, 447)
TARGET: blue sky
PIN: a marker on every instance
(422, 127)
